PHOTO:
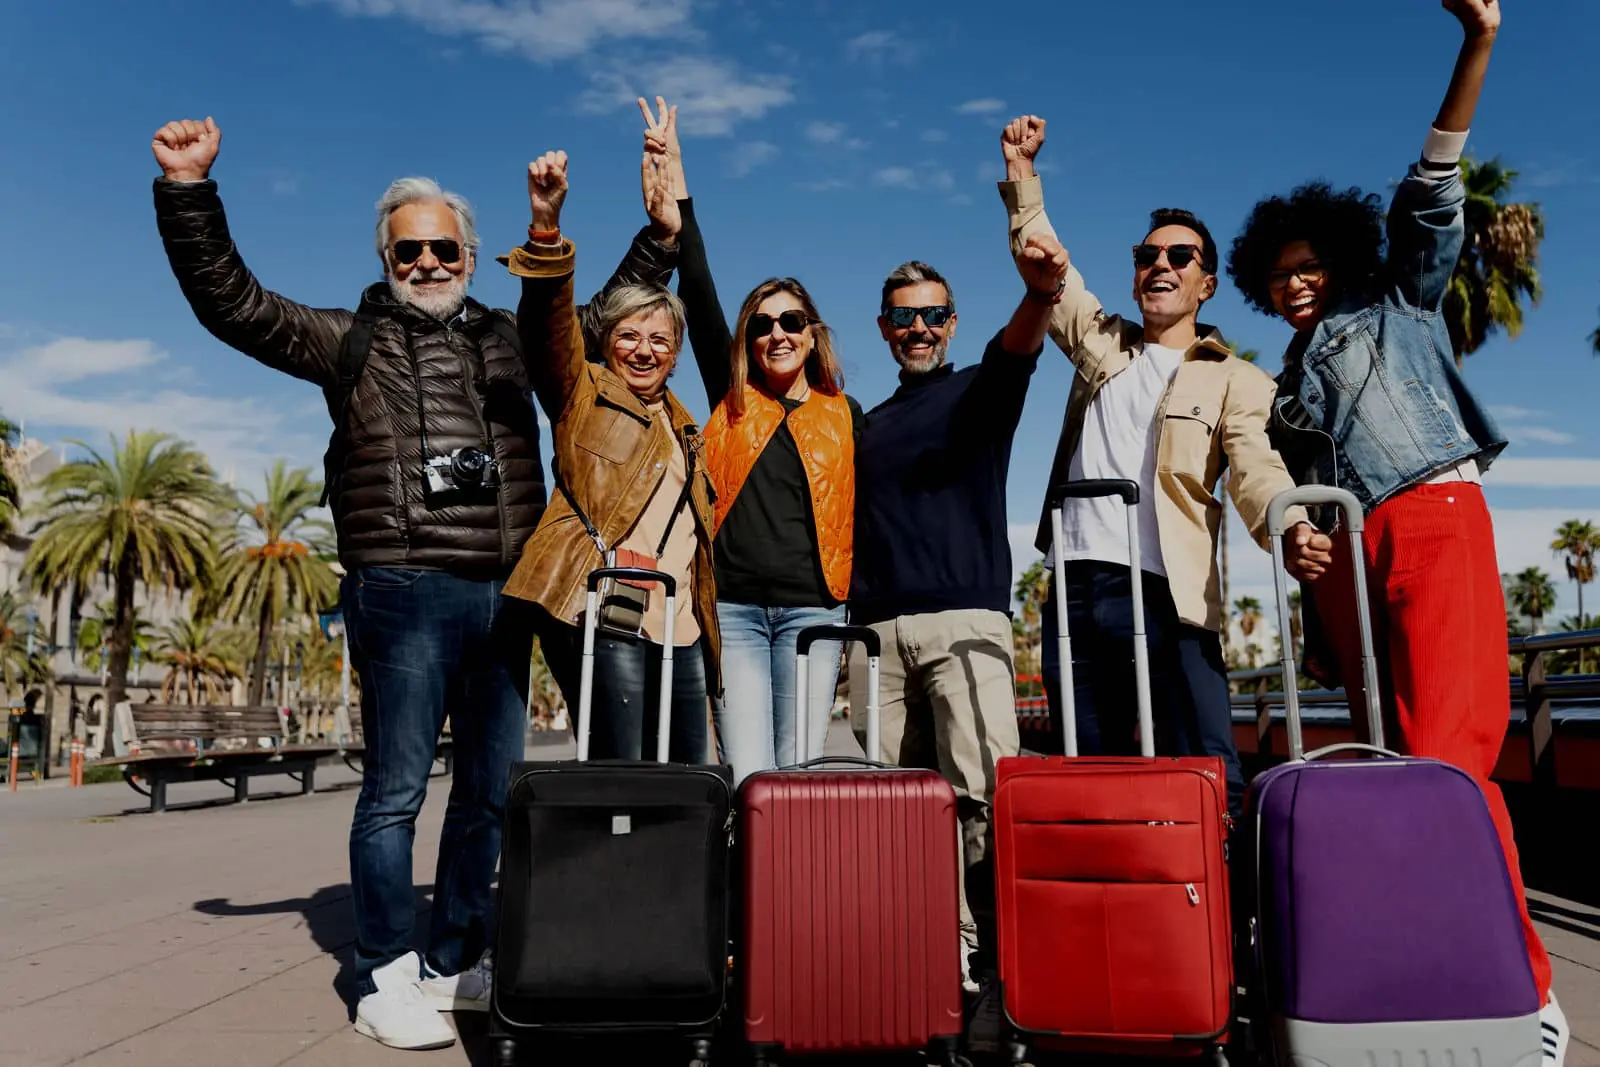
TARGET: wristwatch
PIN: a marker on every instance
(1053, 297)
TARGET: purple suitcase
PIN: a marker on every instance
(1384, 923)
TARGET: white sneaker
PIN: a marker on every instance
(398, 1014)
(1553, 1032)
(467, 991)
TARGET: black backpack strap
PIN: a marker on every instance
(505, 331)
(352, 360)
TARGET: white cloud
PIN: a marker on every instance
(824, 132)
(934, 136)
(869, 43)
(1511, 413)
(1549, 473)
(922, 176)
(896, 177)
(748, 157)
(544, 30)
(85, 388)
(712, 94)
(987, 105)
(1543, 435)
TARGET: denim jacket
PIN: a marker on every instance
(1378, 380)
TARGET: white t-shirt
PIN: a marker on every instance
(1120, 434)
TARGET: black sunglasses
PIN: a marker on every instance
(932, 317)
(790, 321)
(1180, 256)
(445, 250)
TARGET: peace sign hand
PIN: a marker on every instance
(661, 132)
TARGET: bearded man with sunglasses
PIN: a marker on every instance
(932, 571)
(1165, 403)
(435, 482)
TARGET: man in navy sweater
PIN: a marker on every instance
(932, 568)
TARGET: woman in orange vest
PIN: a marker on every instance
(780, 449)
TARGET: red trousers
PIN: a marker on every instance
(1439, 628)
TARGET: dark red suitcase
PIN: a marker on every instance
(851, 930)
(1111, 878)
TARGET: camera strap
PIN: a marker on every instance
(608, 555)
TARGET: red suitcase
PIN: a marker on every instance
(1111, 877)
(851, 930)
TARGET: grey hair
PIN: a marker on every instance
(403, 191)
(914, 272)
(616, 306)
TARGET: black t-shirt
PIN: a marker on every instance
(766, 549)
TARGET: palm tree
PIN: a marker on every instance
(1249, 609)
(1532, 593)
(10, 496)
(94, 635)
(20, 665)
(1577, 542)
(1496, 269)
(199, 657)
(273, 564)
(1296, 625)
(1594, 340)
(139, 516)
(1033, 586)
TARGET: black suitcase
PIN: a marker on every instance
(614, 886)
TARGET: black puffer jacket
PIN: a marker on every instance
(458, 383)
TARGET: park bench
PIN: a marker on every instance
(208, 742)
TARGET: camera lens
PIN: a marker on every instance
(468, 465)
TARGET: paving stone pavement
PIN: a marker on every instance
(221, 934)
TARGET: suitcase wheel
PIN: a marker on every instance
(702, 1053)
(505, 1052)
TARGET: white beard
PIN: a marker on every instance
(441, 303)
(922, 364)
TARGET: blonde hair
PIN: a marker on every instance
(823, 372)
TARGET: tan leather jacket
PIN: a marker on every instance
(610, 452)
(1214, 419)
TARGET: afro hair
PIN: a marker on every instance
(1345, 229)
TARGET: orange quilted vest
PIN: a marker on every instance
(822, 430)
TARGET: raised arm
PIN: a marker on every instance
(1020, 141)
(1426, 220)
(650, 260)
(709, 335)
(547, 320)
(225, 297)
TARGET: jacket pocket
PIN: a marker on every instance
(1433, 417)
(1187, 430)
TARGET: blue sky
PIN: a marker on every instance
(826, 139)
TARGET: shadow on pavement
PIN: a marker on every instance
(329, 917)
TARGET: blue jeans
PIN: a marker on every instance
(1188, 679)
(756, 727)
(426, 644)
(625, 706)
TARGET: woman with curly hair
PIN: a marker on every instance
(1370, 401)
(780, 448)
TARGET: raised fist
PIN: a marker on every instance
(655, 181)
(1043, 264)
(661, 134)
(185, 149)
(547, 189)
(1020, 141)
(1479, 18)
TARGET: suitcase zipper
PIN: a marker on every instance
(1194, 894)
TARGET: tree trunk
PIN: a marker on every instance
(1583, 660)
(121, 644)
(258, 678)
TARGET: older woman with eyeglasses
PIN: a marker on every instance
(632, 486)
(780, 447)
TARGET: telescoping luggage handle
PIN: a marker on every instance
(802, 689)
(1277, 512)
(590, 621)
(1129, 492)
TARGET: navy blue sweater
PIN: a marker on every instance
(931, 474)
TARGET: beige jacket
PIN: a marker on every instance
(1214, 418)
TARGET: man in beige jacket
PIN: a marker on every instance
(1165, 403)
